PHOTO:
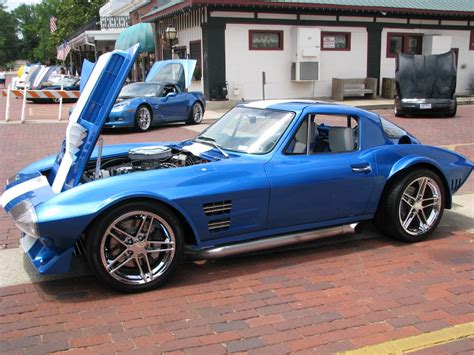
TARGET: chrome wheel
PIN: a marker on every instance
(143, 118)
(137, 248)
(197, 113)
(420, 206)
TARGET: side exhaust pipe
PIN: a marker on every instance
(267, 243)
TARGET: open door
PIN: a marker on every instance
(175, 71)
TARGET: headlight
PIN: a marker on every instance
(119, 106)
(24, 216)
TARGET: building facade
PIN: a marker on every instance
(293, 49)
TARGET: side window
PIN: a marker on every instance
(325, 134)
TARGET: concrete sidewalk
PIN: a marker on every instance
(216, 109)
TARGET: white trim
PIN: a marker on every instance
(454, 23)
(277, 16)
(391, 20)
(263, 104)
(423, 22)
(318, 18)
(356, 18)
(232, 14)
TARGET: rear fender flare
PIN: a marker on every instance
(411, 162)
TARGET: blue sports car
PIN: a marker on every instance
(266, 174)
(162, 98)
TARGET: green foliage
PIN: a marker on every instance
(36, 43)
(8, 39)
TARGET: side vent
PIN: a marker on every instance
(80, 246)
(216, 208)
(219, 225)
(455, 184)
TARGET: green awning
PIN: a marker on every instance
(140, 33)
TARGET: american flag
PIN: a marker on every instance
(63, 51)
(52, 24)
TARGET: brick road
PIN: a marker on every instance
(323, 297)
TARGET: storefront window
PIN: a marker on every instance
(265, 40)
(403, 43)
(335, 41)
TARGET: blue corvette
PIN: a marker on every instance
(266, 174)
(162, 98)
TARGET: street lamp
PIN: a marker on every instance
(170, 35)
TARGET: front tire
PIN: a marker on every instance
(413, 206)
(397, 112)
(143, 118)
(136, 246)
(196, 114)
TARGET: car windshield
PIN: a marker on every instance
(248, 130)
(139, 90)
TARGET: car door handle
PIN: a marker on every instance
(361, 168)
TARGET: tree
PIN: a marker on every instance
(8, 38)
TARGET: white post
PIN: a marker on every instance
(7, 109)
(61, 99)
(23, 106)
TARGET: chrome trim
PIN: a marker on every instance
(214, 208)
(267, 243)
(216, 224)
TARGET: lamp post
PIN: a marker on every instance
(171, 35)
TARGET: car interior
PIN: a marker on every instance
(169, 89)
(326, 134)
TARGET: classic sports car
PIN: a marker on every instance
(162, 98)
(266, 174)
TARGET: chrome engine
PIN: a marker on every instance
(142, 159)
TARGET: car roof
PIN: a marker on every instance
(297, 105)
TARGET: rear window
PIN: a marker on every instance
(391, 130)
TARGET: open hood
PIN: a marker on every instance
(89, 115)
(426, 76)
(175, 71)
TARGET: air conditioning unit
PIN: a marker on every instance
(306, 53)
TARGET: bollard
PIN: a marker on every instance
(7, 109)
(61, 99)
(23, 106)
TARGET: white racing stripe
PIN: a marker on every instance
(75, 131)
(20, 189)
(267, 103)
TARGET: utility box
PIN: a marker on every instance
(306, 53)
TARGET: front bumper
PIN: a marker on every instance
(425, 106)
(46, 260)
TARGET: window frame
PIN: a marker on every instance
(280, 36)
(405, 36)
(314, 116)
(471, 41)
(329, 33)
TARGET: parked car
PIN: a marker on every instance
(426, 84)
(162, 98)
(266, 174)
(58, 82)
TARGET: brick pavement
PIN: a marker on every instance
(328, 298)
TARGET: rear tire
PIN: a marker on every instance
(412, 207)
(136, 246)
(453, 112)
(196, 114)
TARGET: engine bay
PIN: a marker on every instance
(140, 159)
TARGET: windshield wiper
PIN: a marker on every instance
(211, 141)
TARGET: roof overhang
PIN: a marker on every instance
(177, 5)
(87, 37)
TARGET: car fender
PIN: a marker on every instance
(410, 160)
(64, 213)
